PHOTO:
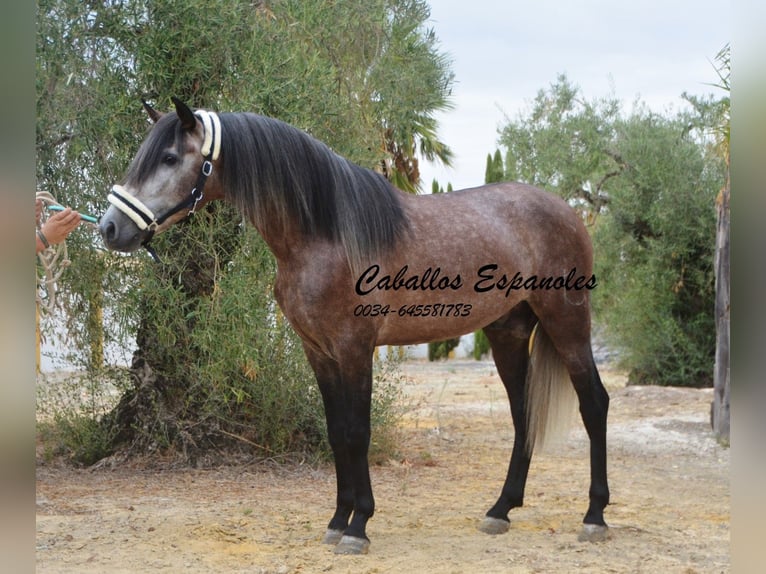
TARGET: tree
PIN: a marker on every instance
(495, 171)
(655, 253)
(324, 67)
(406, 102)
(564, 142)
(645, 183)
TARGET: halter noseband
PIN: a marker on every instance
(142, 216)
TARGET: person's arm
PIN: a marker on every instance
(39, 236)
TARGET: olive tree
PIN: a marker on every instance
(215, 366)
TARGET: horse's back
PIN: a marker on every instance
(530, 225)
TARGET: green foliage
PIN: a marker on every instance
(564, 143)
(713, 115)
(441, 349)
(495, 170)
(215, 365)
(388, 408)
(71, 410)
(481, 344)
(646, 185)
(436, 188)
(81, 438)
(656, 253)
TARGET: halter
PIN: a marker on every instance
(142, 216)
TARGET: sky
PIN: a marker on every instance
(504, 51)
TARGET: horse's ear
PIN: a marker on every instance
(188, 120)
(154, 115)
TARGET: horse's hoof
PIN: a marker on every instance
(352, 545)
(332, 536)
(494, 525)
(594, 533)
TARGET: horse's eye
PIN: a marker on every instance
(170, 159)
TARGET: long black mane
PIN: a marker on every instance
(280, 177)
(273, 171)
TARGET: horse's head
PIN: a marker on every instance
(172, 175)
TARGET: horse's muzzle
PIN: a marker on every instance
(119, 233)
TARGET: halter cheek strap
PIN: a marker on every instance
(142, 216)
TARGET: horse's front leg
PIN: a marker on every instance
(356, 391)
(346, 393)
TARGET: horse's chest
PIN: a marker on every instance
(316, 309)
(301, 295)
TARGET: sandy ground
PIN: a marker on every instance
(669, 513)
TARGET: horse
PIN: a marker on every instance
(362, 264)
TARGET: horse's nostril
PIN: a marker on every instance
(108, 231)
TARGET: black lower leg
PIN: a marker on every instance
(594, 405)
(344, 502)
(327, 372)
(512, 494)
(358, 442)
(509, 338)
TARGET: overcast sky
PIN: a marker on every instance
(504, 51)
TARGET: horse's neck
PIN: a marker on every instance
(282, 242)
(293, 248)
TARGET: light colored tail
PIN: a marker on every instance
(550, 396)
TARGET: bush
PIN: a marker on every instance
(71, 412)
(388, 407)
(481, 344)
(654, 255)
(441, 349)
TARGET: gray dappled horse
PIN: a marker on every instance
(361, 264)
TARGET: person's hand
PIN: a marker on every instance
(38, 210)
(59, 225)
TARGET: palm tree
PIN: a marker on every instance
(401, 166)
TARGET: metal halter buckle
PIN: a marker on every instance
(197, 199)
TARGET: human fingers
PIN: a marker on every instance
(60, 225)
(60, 215)
(65, 217)
(66, 220)
(72, 221)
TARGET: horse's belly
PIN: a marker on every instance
(424, 318)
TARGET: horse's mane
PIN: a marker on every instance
(275, 172)
(281, 178)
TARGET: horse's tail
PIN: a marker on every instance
(550, 396)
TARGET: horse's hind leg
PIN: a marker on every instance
(509, 338)
(569, 332)
(594, 405)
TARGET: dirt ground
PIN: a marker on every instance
(669, 513)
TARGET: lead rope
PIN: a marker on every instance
(53, 261)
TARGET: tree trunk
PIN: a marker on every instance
(164, 406)
(720, 415)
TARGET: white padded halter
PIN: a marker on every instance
(131, 207)
(211, 146)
